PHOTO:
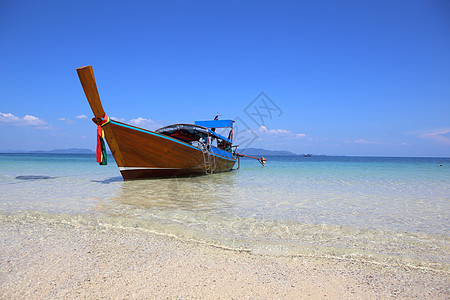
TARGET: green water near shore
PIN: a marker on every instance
(380, 210)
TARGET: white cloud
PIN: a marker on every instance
(28, 120)
(81, 117)
(68, 121)
(441, 136)
(145, 123)
(281, 132)
(371, 142)
(364, 141)
(274, 131)
(117, 119)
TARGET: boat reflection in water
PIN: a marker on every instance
(196, 193)
(189, 208)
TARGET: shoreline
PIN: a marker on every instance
(56, 259)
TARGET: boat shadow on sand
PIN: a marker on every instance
(25, 178)
(109, 180)
(33, 177)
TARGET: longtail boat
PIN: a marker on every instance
(174, 150)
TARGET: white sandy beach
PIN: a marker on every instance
(58, 260)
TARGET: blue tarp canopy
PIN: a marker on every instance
(215, 123)
(190, 129)
(216, 135)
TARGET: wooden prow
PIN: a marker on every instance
(86, 75)
(87, 79)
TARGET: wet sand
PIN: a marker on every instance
(57, 259)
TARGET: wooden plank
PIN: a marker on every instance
(87, 79)
(86, 75)
(168, 158)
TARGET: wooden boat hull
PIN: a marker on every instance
(141, 153)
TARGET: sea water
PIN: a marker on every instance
(380, 210)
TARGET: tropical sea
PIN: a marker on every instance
(388, 211)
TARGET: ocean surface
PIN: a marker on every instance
(392, 211)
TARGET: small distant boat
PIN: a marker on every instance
(175, 150)
(307, 155)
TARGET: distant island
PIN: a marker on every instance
(247, 151)
(262, 152)
(65, 151)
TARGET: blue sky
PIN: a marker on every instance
(341, 77)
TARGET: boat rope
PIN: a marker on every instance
(101, 148)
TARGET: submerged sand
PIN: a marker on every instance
(59, 260)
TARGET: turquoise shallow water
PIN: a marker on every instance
(385, 210)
